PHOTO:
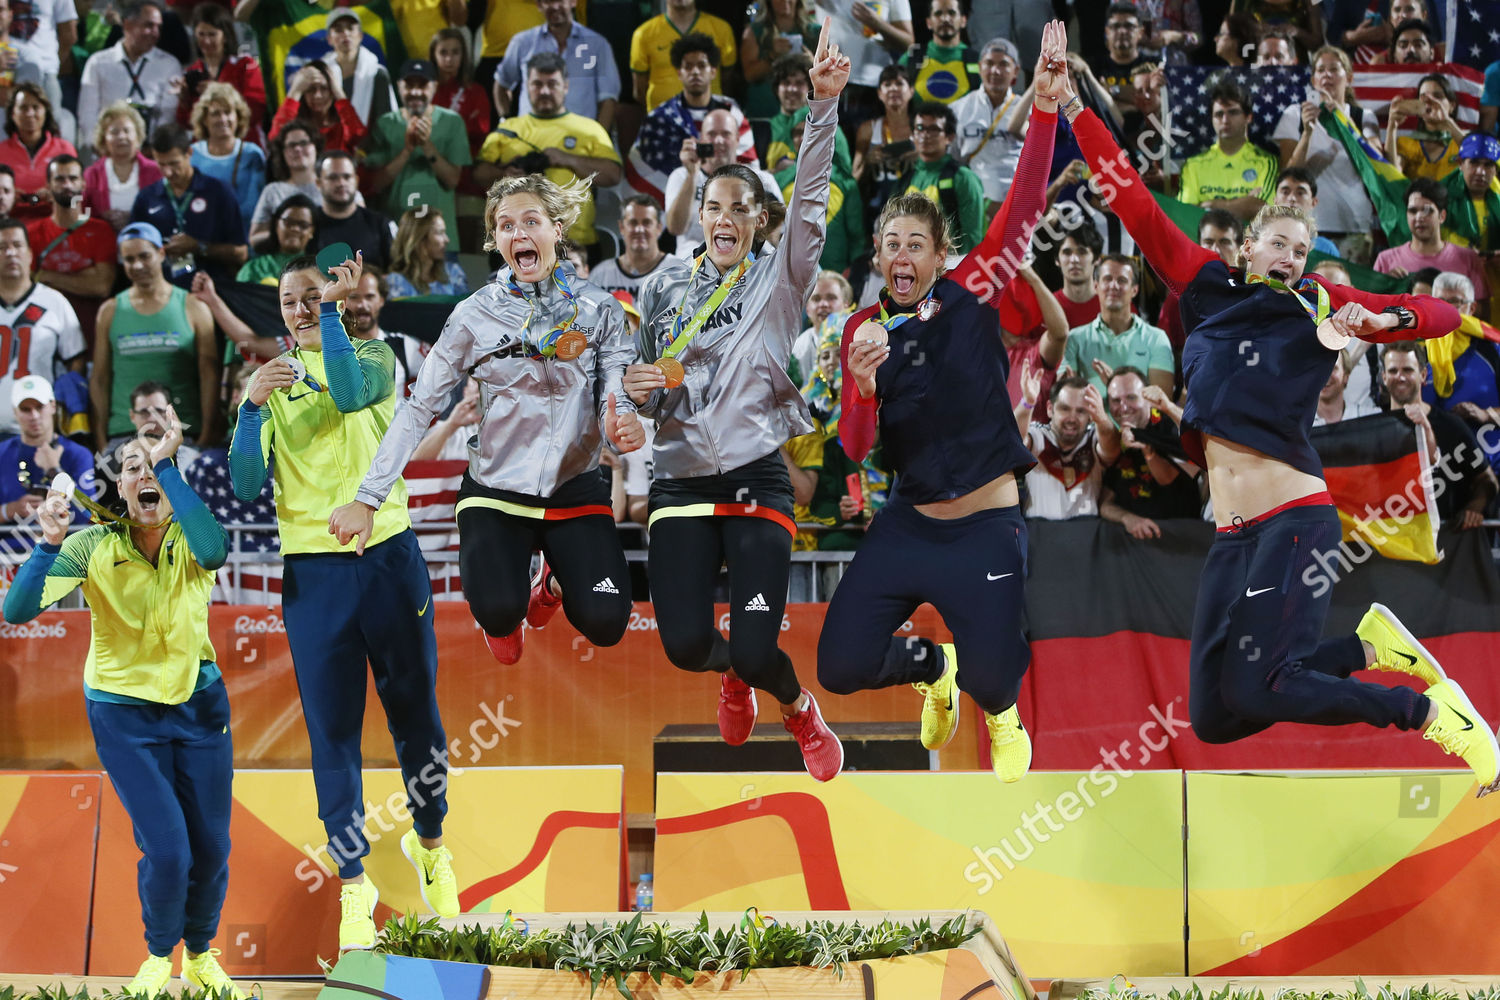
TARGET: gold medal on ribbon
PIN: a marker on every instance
(1330, 337)
(672, 369)
(570, 345)
(871, 332)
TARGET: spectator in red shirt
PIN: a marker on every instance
(213, 32)
(457, 91)
(111, 182)
(317, 99)
(1220, 232)
(74, 252)
(33, 142)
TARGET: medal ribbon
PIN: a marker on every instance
(683, 331)
(101, 513)
(1317, 313)
(546, 347)
(890, 321)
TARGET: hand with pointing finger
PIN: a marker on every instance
(354, 521)
(624, 432)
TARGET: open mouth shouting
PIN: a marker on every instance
(725, 242)
(527, 259)
(149, 501)
(903, 281)
(1281, 274)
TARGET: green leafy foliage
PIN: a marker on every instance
(60, 992)
(1359, 992)
(609, 952)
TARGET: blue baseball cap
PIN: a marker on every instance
(1479, 146)
(140, 231)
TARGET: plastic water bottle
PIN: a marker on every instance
(644, 891)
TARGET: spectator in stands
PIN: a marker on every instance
(1435, 153)
(1471, 483)
(987, 142)
(779, 29)
(948, 68)
(1426, 215)
(221, 118)
(1412, 42)
(1175, 30)
(208, 475)
(1233, 174)
(51, 337)
(791, 80)
(872, 33)
(18, 58)
(953, 187)
(1151, 479)
(1344, 213)
(1237, 39)
(1300, 17)
(1466, 369)
(357, 69)
(829, 303)
(1071, 449)
(1078, 259)
(847, 231)
(1125, 61)
(1217, 231)
(457, 91)
(111, 182)
(7, 190)
(150, 412)
(294, 158)
(443, 440)
(1035, 335)
(198, 217)
(641, 229)
(679, 118)
(133, 69)
(362, 321)
(1119, 337)
(30, 461)
(153, 331)
(342, 219)
(1332, 407)
(1298, 188)
(1472, 193)
(32, 144)
(593, 77)
(420, 264)
(1489, 100)
(656, 65)
(551, 140)
(885, 146)
(418, 151)
(49, 28)
(685, 185)
(316, 99)
(293, 228)
(1276, 49)
(72, 252)
(215, 39)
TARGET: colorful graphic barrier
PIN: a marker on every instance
(535, 839)
(1341, 874)
(47, 827)
(1078, 870)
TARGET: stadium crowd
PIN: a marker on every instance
(160, 158)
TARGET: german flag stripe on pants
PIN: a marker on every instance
(725, 510)
(536, 513)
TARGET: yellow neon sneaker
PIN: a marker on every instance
(940, 709)
(1462, 731)
(1396, 649)
(357, 915)
(154, 975)
(434, 874)
(203, 972)
(1010, 747)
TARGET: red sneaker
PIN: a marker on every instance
(507, 648)
(736, 710)
(544, 603)
(821, 750)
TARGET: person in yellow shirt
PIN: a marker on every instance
(1433, 150)
(155, 700)
(655, 78)
(551, 141)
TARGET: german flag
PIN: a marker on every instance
(1380, 476)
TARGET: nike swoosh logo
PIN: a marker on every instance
(121, 562)
(1253, 593)
(1468, 723)
(1002, 576)
(1410, 660)
(425, 607)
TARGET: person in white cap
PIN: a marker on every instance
(31, 461)
(39, 331)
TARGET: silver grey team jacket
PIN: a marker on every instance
(736, 403)
(541, 416)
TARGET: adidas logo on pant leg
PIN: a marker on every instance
(758, 603)
(605, 586)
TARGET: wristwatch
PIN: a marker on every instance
(1405, 318)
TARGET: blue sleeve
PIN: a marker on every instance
(204, 536)
(247, 463)
(354, 384)
(23, 601)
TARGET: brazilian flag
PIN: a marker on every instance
(291, 34)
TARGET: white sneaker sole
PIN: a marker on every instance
(1468, 706)
(1405, 633)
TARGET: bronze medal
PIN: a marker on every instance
(871, 332)
(1330, 337)
(672, 369)
(570, 345)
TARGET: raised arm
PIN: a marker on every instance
(1433, 317)
(205, 536)
(857, 423)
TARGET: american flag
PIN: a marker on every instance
(658, 148)
(1473, 33)
(1188, 117)
(1375, 87)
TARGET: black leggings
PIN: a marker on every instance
(971, 569)
(684, 561)
(494, 560)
